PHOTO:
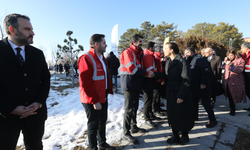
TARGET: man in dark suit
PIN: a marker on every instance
(24, 86)
(200, 85)
(215, 64)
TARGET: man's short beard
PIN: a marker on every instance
(22, 40)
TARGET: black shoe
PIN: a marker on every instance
(249, 115)
(130, 139)
(211, 124)
(150, 123)
(155, 118)
(106, 146)
(184, 140)
(158, 113)
(173, 139)
(232, 113)
(138, 130)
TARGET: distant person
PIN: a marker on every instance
(24, 85)
(95, 84)
(200, 85)
(132, 75)
(114, 64)
(60, 68)
(233, 79)
(149, 84)
(75, 67)
(57, 68)
(66, 67)
(215, 64)
(158, 111)
(179, 97)
(245, 49)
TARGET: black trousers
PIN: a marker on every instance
(206, 104)
(131, 107)
(96, 124)
(156, 98)
(148, 101)
(32, 136)
(213, 96)
(230, 100)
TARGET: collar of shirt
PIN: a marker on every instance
(22, 52)
(209, 58)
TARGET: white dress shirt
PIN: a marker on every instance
(104, 67)
(22, 52)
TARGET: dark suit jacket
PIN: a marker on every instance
(215, 64)
(22, 85)
(200, 74)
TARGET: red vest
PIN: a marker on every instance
(92, 81)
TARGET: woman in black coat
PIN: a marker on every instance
(178, 94)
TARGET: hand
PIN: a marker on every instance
(97, 106)
(226, 59)
(151, 74)
(203, 86)
(162, 83)
(19, 110)
(228, 63)
(179, 100)
(32, 110)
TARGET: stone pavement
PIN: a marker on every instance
(220, 137)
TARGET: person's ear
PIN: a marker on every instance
(96, 44)
(12, 30)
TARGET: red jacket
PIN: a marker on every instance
(246, 58)
(158, 61)
(149, 62)
(130, 69)
(92, 79)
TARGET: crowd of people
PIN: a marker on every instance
(186, 79)
(60, 68)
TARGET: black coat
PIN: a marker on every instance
(215, 64)
(22, 85)
(113, 64)
(60, 67)
(180, 116)
(200, 74)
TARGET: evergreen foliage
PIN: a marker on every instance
(198, 43)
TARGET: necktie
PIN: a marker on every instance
(19, 56)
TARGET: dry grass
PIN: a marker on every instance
(242, 141)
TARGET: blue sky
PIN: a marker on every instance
(51, 19)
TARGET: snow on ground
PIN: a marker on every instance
(66, 125)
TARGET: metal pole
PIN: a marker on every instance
(230, 43)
